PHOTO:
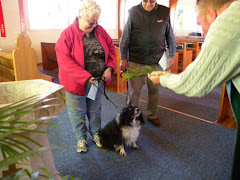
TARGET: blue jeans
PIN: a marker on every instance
(80, 107)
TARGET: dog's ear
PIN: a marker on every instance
(124, 117)
(124, 110)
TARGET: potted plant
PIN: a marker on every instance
(17, 144)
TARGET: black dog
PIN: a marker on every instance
(123, 130)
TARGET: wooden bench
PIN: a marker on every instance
(185, 56)
(174, 67)
(118, 84)
(21, 64)
(49, 57)
(194, 46)
(225, 114)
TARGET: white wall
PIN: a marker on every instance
(12, 24)
(13, 29)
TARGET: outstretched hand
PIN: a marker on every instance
(155, 76)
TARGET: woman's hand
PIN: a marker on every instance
(91, 80)
(107, 74)
(155, 76)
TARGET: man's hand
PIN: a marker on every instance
(170, 61)
(123, 65)
(155, 76)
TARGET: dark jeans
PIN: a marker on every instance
(234, 97)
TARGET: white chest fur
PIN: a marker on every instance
(130, 134)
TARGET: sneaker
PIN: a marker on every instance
(96, 139)
(155, 122)
(82, 146)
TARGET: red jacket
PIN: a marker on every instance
(70, 57)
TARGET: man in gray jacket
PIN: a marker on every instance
(143, 42)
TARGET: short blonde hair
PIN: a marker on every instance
(204, 5)
(89, 8)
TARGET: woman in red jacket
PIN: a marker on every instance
(85, 54)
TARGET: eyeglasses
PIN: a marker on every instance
(150, 1)
(93, 23)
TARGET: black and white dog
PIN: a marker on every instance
(123, 130)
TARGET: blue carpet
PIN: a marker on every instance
(206, 107)
(182, 148)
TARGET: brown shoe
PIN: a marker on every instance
(155, 122)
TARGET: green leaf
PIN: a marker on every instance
(137, 72)
(20, 156)
(27, 139)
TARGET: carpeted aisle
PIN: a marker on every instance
(182, 148)
(206, 107)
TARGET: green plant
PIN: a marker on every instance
(137, 72)
(13, 141)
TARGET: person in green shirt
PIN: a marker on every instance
(217, 63)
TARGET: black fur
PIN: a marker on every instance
(130, 119)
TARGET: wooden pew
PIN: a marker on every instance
(194, 46)
(118, 84)
(185, 56)
(225, 114)
(193, 43)
(174, 67)
(21, 64)
(49, 57)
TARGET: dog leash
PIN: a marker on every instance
(104, 93)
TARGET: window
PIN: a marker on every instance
(185, 16)
(58, 14)
(48, 14)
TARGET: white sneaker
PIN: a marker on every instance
(82, 146)
(96, 139)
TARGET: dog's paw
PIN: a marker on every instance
(135, 146)
(124, 154)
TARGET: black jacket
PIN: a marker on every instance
(148, 34)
